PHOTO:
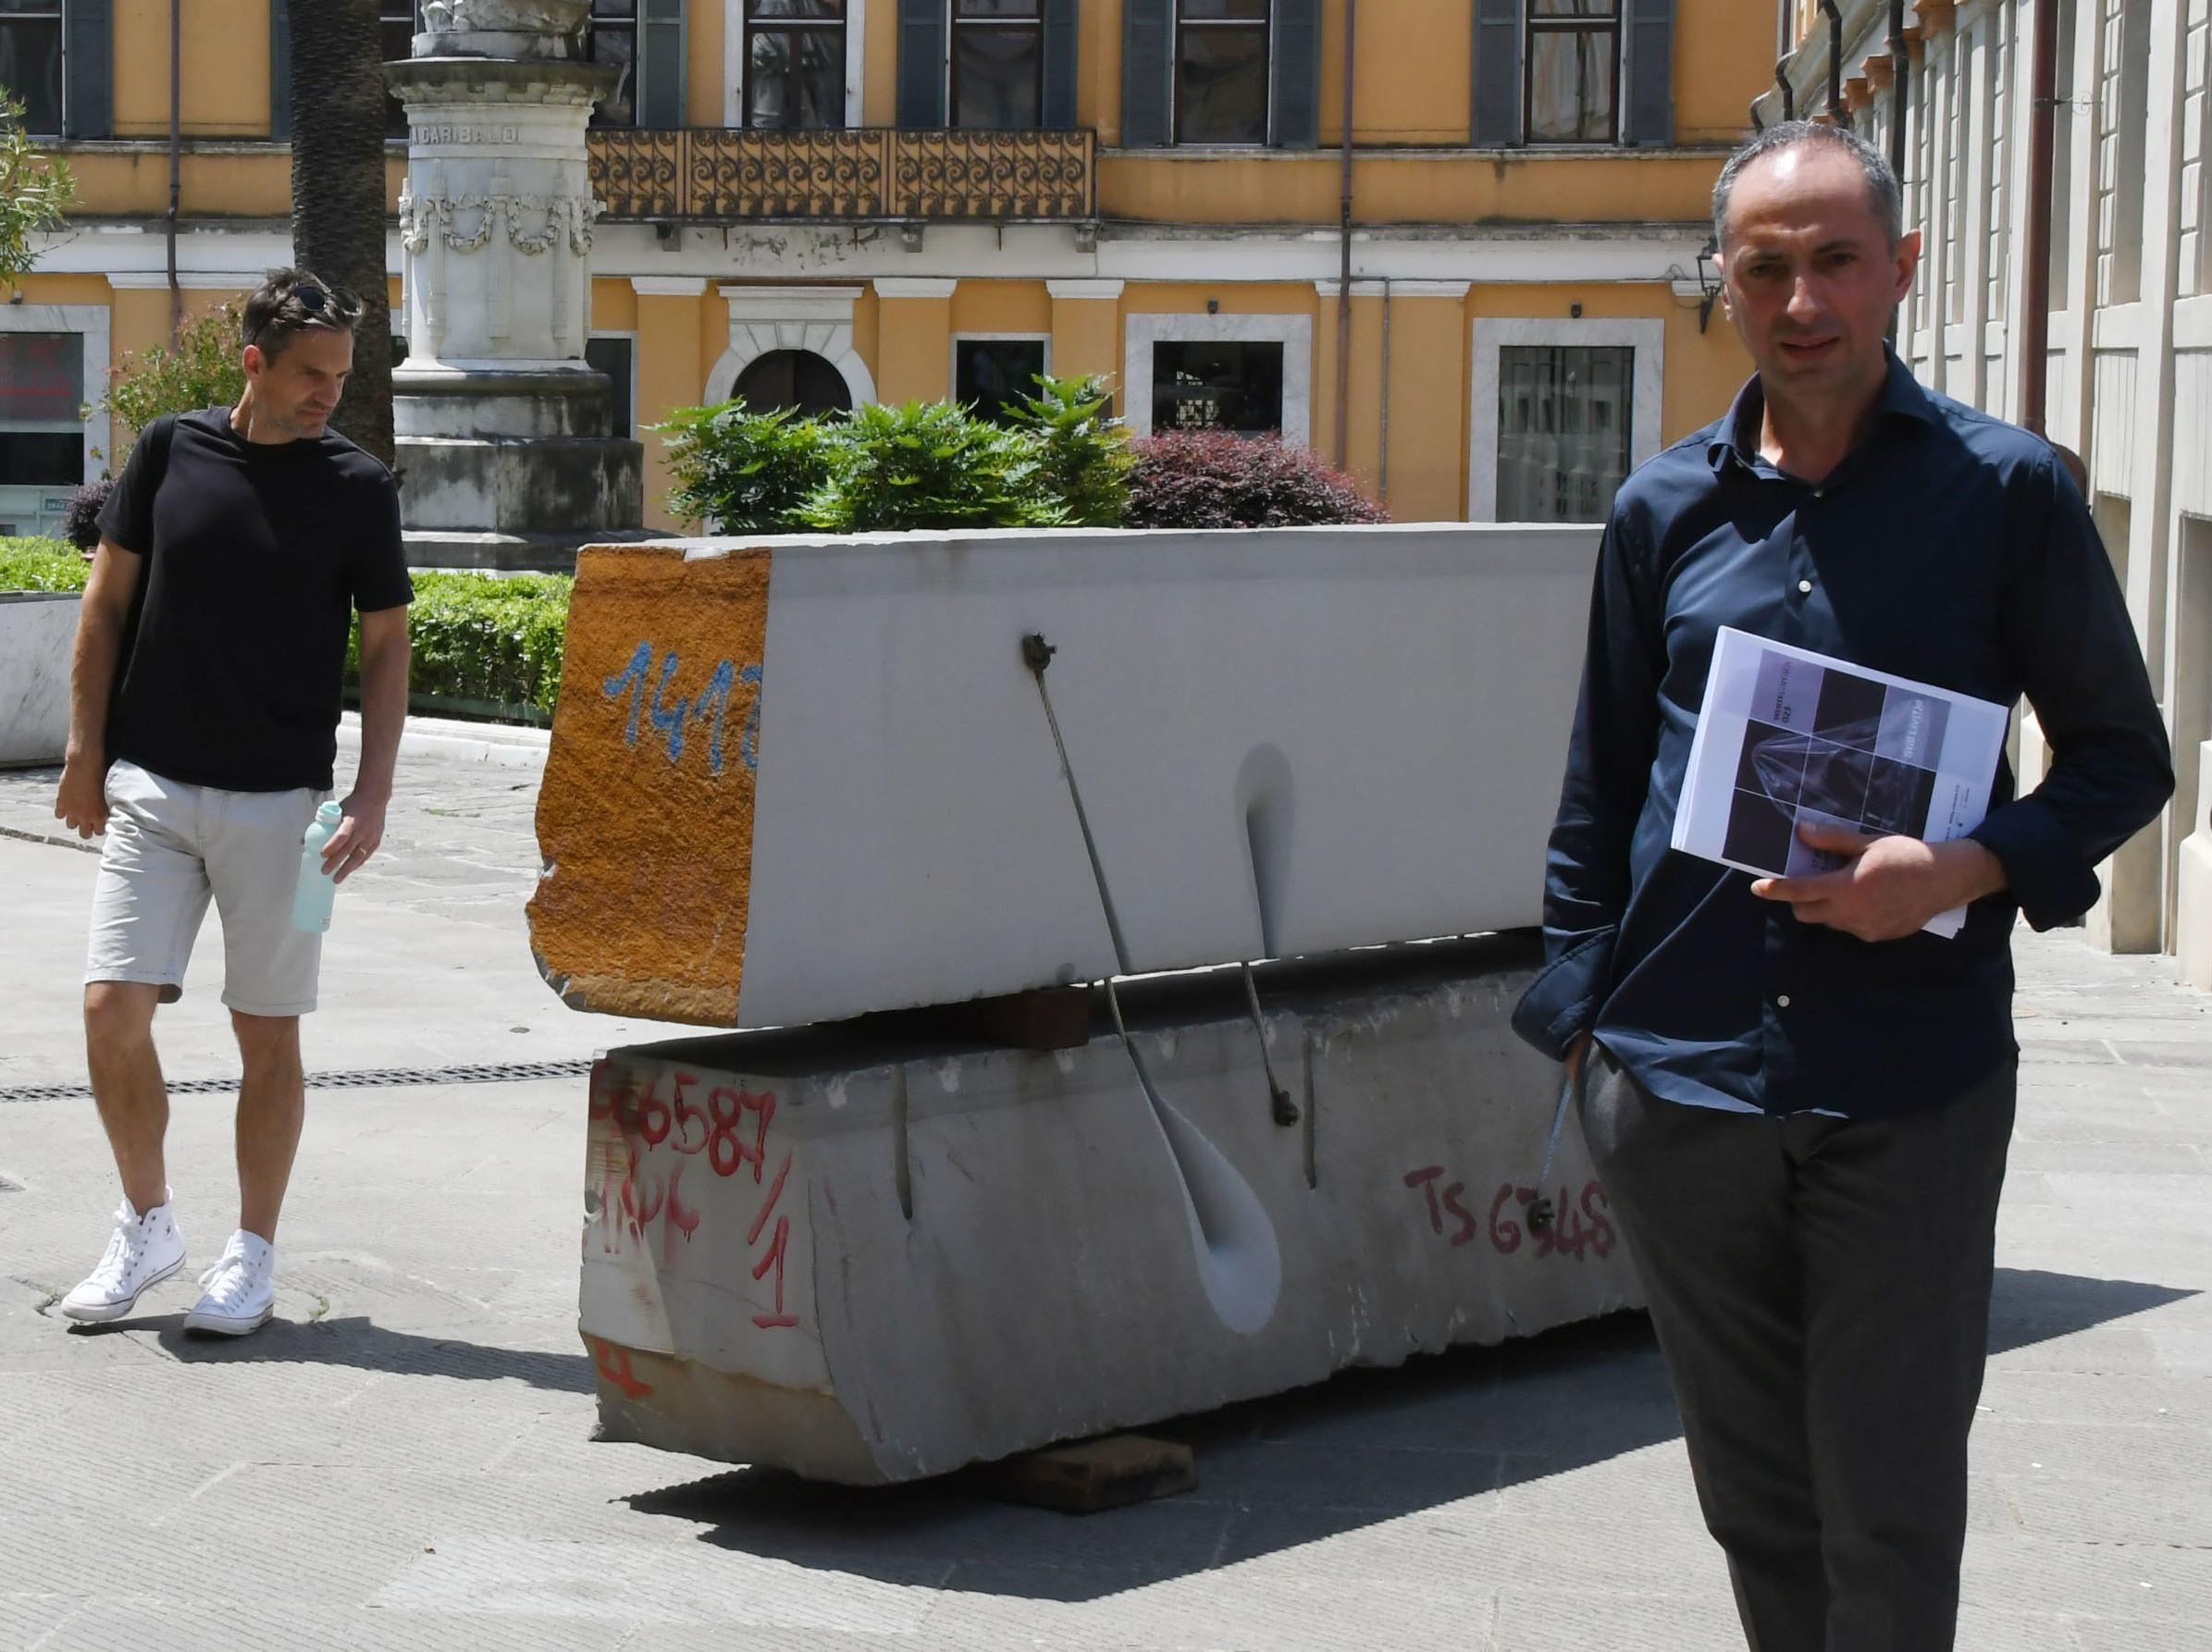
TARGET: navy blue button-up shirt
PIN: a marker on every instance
(1950, 548)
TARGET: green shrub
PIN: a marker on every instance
(747, 471)
(1083, 456)
(36, 191)
(928, 465)
(477, 636)
(42, 565)
(203, 368)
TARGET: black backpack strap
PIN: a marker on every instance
(159, 437)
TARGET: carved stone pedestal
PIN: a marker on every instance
(504, 433)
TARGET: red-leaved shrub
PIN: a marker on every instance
(1210, 479)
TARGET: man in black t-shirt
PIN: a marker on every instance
(205, 703)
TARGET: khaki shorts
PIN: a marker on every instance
(170, 847)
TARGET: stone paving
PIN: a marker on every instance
(403, 1458)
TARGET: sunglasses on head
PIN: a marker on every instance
(317, 300)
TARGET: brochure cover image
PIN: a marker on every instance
(1787, 736)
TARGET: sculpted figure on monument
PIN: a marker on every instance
(519, 17)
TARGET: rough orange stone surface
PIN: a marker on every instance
(646, 816)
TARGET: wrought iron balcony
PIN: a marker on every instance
(727, 173)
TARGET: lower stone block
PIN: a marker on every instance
(869, 1254)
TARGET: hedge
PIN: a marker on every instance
(493, 643)
(42, 565)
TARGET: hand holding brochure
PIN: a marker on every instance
(1790, 736)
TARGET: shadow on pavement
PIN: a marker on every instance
(1364, 1448)
(363, 1345)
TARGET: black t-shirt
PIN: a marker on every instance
(255, 555)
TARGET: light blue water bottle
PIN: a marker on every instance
(311, 901)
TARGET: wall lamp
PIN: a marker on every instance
(1709, 279)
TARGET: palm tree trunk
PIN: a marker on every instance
(338, 216)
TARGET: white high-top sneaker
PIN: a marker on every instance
(240, 1292)
(142, 1252)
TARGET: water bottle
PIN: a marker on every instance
(311, 901)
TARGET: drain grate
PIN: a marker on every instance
(372, 1078)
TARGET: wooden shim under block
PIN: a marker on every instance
(1090, 1476)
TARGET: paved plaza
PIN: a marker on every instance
(403, 1458)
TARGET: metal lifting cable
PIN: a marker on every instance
(1036, 653)
(1540, 1212)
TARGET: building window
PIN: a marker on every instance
(614, 354)
(396, 28)
(2196, 152)
(2000, 162)
(991, 373)
(997, 63)
(1573, 62)
(41, 431)
(2122, 141)
(30, 62)
(1234, 385)
(613, 38)
(1221, 71)
(1563, 431)
(1560, 412)
(1920, 210)
(794, 63)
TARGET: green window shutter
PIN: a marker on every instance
(1648, 108)
(922, 71)
(1295, 88)
(280, 71)
(89, 99)
(1147, 67)
(1061, 28)
(1497, 122)
(660, 64)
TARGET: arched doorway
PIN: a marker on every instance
(797, 380)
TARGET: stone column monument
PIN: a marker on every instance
(507, 456)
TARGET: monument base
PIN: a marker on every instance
(585, 487)
(512, 466)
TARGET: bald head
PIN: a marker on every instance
(1796, 142)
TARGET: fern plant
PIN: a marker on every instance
(1083, 455)
(929, 465)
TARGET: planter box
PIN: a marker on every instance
(37, 630)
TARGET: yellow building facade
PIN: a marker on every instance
(888, 200)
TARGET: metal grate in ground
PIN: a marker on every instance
(372, 1078)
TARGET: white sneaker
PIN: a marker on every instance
(239, 1292)
(142, 1252)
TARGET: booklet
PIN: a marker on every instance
(1787, 735)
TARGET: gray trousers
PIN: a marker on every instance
(1820, 1291)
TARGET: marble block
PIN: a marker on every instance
(868, 1254)
(792, 781)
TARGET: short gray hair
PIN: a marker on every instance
(1882, 192)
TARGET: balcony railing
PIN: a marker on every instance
(722, 174)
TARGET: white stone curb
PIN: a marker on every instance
(504, 746)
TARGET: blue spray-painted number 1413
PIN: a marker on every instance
(670, 720)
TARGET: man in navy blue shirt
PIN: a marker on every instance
(1799, 1101)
